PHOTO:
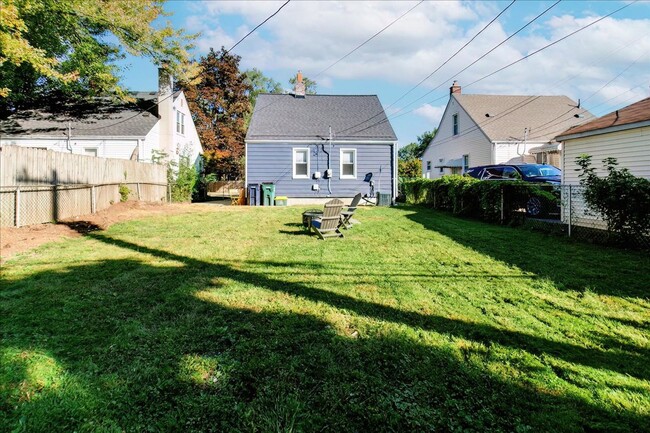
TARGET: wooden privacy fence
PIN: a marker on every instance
(38, 185)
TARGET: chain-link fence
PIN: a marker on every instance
(23, 205)
(563, 209)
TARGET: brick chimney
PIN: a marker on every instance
(299, 87)
(166, 111)
(455, 88)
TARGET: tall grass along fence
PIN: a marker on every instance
(38, 185)
(561, 209)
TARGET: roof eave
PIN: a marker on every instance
(606, 130)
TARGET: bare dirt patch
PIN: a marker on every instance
(14, 240)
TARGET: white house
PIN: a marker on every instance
(497, 129)
(157, 123)
(623, 134)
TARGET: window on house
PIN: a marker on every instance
(465, 163)
(180, 122)
(428, 165)
(90, 151)
(348, 163)
(301, 163)
(455, 119)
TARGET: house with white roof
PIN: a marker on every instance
(155, 125)
(498, 129)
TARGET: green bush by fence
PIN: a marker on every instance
(462, 195)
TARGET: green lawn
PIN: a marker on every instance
(237, 321)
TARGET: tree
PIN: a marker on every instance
(260, 83)
(220, 104)
(415, 150)
(310, 85)
(68, 47)
(409, 168)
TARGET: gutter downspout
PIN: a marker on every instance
(68, 146)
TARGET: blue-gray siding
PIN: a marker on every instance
(272, 162)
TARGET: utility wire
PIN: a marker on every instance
(368, 40)
(466, 67)
(172, 93)
(437, 69)
(510, 64)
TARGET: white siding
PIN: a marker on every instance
(631, 148)
(514, 153)
(470, 141)
(189, 141)
(106, 148)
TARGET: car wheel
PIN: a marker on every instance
(534, 207)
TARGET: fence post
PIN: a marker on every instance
(17, 207)
(570, 212)
(93, 200)
(502, 209)
(137, 185)
(169, 193)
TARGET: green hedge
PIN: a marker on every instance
(463, 195)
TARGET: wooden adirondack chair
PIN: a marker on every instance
(346, 215)
(327, 226)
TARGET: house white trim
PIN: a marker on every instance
(355, 163)
(293, 162)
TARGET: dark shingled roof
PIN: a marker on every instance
(634, 113)
(98, 118)
(352, 117)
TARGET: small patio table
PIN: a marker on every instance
(309, 215)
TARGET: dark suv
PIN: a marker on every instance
(536, 206)
(540, 173)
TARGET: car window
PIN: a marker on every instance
(493, 173)
(510, 173)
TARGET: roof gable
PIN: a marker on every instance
(352, 117)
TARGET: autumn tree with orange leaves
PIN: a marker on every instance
(219, 104)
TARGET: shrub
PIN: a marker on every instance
(124, 192)
(464, 195)
(182, 177)
(620, 198)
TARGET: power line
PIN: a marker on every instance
(258, 26)
(512, 63)
(466, 67)
(172, 93)
(369, 39)
(437, 69)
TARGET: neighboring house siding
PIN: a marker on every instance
(631, 148)
(470, 141)
(105, 148)
(273, 162)
(188, 141)
(513, 153)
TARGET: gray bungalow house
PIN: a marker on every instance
(317, 147)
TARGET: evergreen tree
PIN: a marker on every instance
(220, 104)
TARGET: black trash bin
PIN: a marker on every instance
(253, 194)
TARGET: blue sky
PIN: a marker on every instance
(607, 65)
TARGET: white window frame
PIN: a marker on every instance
(180, 122)
(293, 162)
(428, 165)
(341, 175)
(455, 124)
(465, 163)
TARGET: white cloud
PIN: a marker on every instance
(431, 113)
(312, 35)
